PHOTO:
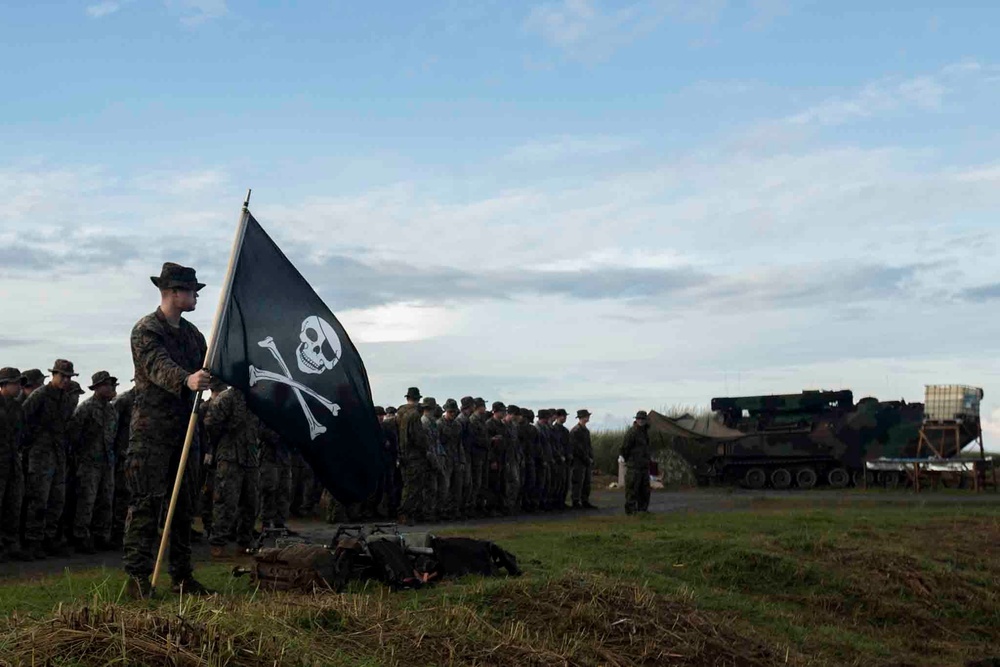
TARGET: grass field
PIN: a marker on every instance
(789, 583)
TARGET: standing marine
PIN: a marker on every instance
(414, 453)
(47, 413)
(234, 431)
(168, 353)
(583, 461)
(11, 471)
(451, 436)
(122, 405)
(92, 443)
(635, 451)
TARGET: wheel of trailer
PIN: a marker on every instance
(755, 478)
(781, 478)
(806, 478)
(890, 479)
(862, 478)
(838, 478)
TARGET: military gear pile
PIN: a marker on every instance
(377, 552)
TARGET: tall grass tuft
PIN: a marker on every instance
(608, 442)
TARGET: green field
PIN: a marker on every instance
(788, 583)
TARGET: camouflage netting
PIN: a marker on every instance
(674, 469)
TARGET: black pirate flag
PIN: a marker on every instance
(281, 345)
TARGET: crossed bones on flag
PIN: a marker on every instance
(258, 375)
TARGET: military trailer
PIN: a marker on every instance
(795, 440)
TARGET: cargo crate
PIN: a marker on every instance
(951, 402)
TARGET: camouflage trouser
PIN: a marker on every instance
(636, 488)
(511, 486)
(444, 486)
(46, 492)
(206, 496)
(457, 489)
(419, 489)
(568, 480)
(119, 506)
(150, 471)
(529, 484)
(234, 503)
(581, 482)
(479, 472)
(95, 488)
(542, 471)
(11, 494)
(555, 481)
(275, 493)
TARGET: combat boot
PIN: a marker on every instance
(190, 586)
(138, 588)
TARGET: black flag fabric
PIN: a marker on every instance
(281, 345)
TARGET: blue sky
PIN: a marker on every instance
(616, 205)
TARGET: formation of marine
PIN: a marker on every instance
(65, 483)
(97, 475)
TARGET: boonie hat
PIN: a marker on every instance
(175, 276)
(63, 367)
(102, 377)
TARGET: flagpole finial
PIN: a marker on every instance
(246, 202)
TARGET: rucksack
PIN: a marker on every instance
(297, 567)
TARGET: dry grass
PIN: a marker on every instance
(574, 620)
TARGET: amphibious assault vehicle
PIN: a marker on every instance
(781, 441)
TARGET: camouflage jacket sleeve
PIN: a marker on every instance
(581, 444)
(217, 415)
(628, 444)
(149, 352)
(32, 409)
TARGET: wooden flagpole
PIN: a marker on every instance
(220, 313)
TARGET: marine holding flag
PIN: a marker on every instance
(302, 376)
(168, 352)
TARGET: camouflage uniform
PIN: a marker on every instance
(415, 450)
(583, 460)
(562, 469)
(11, 472)
(514, 471)
(234, 430)
(499, 438)
(275, 479)
(478, 461)
(546, 464)
(122, 405)
(92, 443)
(205, 490)
(163, 357)
(437, 482)
(451, 440)
(635, 451)
(47, 413)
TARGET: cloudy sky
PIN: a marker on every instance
(586, 203)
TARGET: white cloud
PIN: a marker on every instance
(566, 147)
(195, 12)
(103, 8)
(583, 29)
(183, 183)
(926, 92)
